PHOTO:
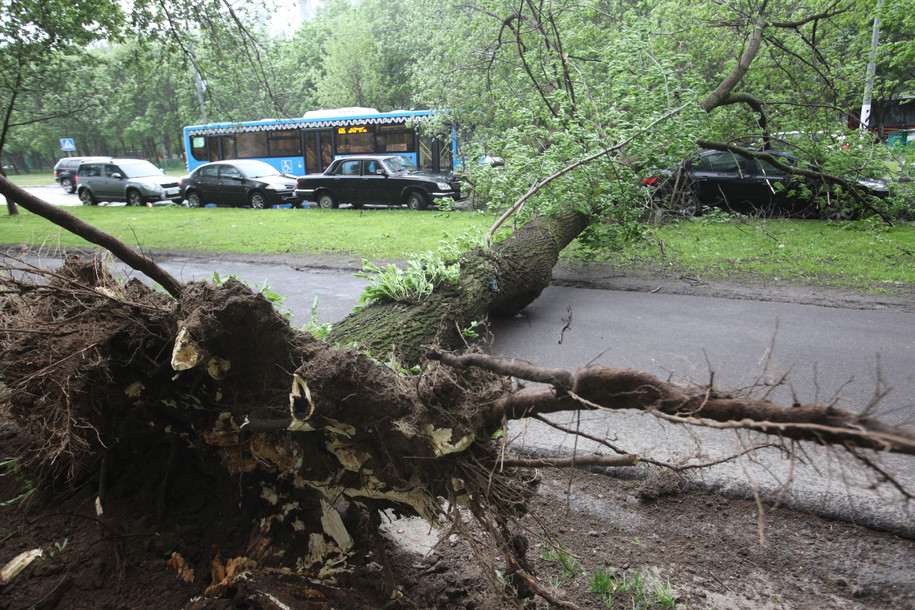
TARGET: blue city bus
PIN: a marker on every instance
(309, 144)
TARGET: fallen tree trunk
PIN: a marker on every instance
(502, 280)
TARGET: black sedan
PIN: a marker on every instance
(377, 179)
(750, 186)
(238, 183)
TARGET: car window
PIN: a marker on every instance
(723, 162)
(400, 164)
(371, 167)
(348, 168)
(90, 170)
(209, 171)
(767, 169)
(138, 169)
(111, 170)
(256, 169)
(227, 171)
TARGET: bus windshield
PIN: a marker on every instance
(400, 164)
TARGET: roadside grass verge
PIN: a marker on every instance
(861, 255)
(371, 234)
(36, 179)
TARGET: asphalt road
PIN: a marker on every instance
(816, 353)
(55, 195)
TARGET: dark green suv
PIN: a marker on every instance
(133, 181)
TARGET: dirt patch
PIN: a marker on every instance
(700, 551)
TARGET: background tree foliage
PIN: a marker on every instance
(541, 85)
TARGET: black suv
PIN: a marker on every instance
(133, 181)
(65, 172)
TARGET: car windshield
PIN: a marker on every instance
(256, 169)
(139, 169)
(400, 164)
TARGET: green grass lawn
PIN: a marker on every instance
(37, 179)
(862, 255)
(373, 234)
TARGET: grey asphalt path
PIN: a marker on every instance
(833, 355)
(55, 195)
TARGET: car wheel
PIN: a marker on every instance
(257, 200)
(326, 201)
(193, 200)
(86, 198)
(68, 185)
(134, 198)
(416, 201)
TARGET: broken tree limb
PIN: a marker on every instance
(71, 223)
(615, 389)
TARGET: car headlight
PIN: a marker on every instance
(276, 187)
(444, 186)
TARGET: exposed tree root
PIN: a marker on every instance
(319, 439)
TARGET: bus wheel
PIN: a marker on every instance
(193, 200)
(326, 201)
(416, 201)
(257, 200)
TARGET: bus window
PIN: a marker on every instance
(355, 139)
(399, 141)
(199, 148)
(424, 154)
(311, 153)
(252, 144)
(444, 156)
(285, 143)
(327, 150)
(222, 148)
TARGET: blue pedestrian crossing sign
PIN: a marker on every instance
(67, 144)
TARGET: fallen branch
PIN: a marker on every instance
(71, 223)
(606, 388)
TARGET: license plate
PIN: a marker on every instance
(173, 191)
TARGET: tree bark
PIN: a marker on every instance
(502, 280)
